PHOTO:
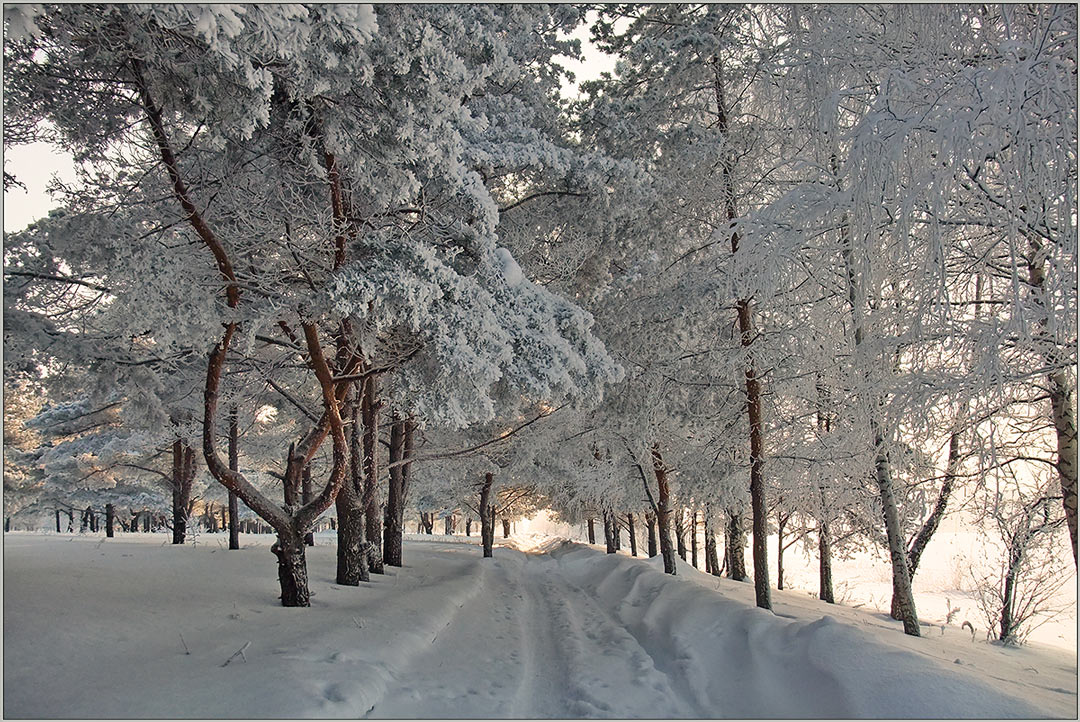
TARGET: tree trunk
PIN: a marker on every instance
(487, 516)
(352, 564)
(1062, 394)
(680, 533)
(468, 526)
(506, 528)
(630, 531)
(825, 586)
(292, 569)
(663, 511)
(901, 576)
(373, 511)
(448, 525)
(110, 520)
(609, 532)
(747, 335)
(1008, 626)
(734, 545)
(177, 483)
(401, 441)
(918, 545)
(712, 563)
(57, 521)
(650, 522)
(693, 538)
(305, 497)
(781, 523)
(146, 522)
(592, 530)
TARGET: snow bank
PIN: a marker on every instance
(740, 661)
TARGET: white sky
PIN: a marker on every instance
(36, 164)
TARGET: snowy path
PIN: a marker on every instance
(93, 629)
(542, 648)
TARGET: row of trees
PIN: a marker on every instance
(803, 268)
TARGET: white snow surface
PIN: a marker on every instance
(546, 629)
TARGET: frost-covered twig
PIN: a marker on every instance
(237, 653)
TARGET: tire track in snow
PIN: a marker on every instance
(653, 669)
(545, 683)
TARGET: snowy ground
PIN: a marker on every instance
(92, 628)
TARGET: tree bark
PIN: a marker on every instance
(901, 576)
(926, 532)
(650, 522)
(179, 498)
(292, 569)
(352, 565)
(735, 542)
(592, 530)
(373, 511)
(712, 563)
(825, 585)
(468, 526)
(57, 521)
(609, 532)
(693, 538)
(234, 465)
(630, 531)
(747, 335)
(401, 441)
(1062, 393)
(781, 523)
(487, 516)
(506, 528)
(305, 498)
(680, 533)
(882, 470)
(663, 511)
(110, 520)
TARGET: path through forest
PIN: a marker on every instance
(112, 628)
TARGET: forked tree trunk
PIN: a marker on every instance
(292, 569)
(926, 531)
(630, 531)
(650, 522)
(110, 520)
(905, 604)
(352, 564)
(734, 546)
(663, 511)
(591, 526)
(373, 511)
(693, 538)
(487, 516)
